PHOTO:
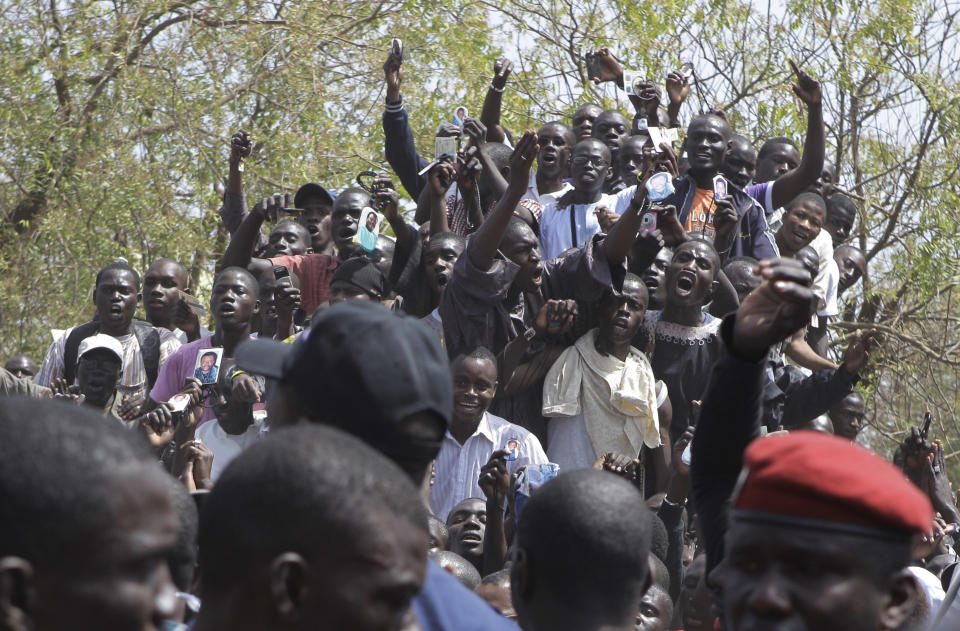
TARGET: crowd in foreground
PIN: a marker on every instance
(602, 394)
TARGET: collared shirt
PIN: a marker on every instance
(458, 466)
(557, 229)
(133, 379)
(535, 202)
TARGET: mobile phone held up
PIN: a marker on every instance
(396, 47)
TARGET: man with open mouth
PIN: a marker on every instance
(683, 335)
(116, 294)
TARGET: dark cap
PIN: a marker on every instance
(364, 369)
(311, 189)
(363, 274)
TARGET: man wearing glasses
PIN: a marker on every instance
(590, 211)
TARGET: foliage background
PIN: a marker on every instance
(115, 117)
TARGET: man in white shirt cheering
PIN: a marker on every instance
(474, 434)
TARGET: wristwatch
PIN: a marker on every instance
(530, 333)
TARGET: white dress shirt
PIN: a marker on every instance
(458, 466)
(555, 229)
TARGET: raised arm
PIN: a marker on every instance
(240, 251)
(398, 145)
(492, 229)
(731, 411)
(794, 182)
(490, 115)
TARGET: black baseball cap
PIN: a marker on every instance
(311, 189)
(364, 369)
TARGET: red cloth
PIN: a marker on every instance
(822, 477)
(314, 272)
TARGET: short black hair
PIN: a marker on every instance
(710, 245)
(298, 490)
(118, 265)
(56, 461)
(446, 236)
(515, 228)
(659, 539)
(254, 283)
(841, 202)
(478, 352)
(499, 153)
(210, 354)
(588, 523)
(770, 143)
(815, 198)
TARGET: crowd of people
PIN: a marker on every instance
(598, 394)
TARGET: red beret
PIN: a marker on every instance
(816, 476)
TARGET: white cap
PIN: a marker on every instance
(100, 340)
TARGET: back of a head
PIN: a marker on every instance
(587, 524)
(499, 154)
(56, 462)
(308, 489)
(461, 569)
(182, 559)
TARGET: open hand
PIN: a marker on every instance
(522, 161)
(610, 69)
(678, 89)
(858, 352)
(555, 317)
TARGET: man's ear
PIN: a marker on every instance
(901, 600)
(139, 297)
(17, 595)
(256, 306)
(288, 586)
(505, 172)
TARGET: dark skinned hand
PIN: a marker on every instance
(666, 160)
(199, 461)
(288, 298)
(648, 101)
(610, 69)
(780, 306)
(240, 146)
(725, 220)
(521, 161)
(185, 318)
(858, 351)
(469, 170)
(440, 176)
(618, 464)
(247, 389)
(475, 131)
(676, 463)
(386, 199)
(806, 88)
(502, 68)
(393, 75)
(670, 227)
(494, 478)
(913, 456)
(606, 218)
(678, 89)
(938, 486)
(270, 208)
(555, 317)
(158, 420)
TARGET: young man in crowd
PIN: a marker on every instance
(467, 524)
(116, 294)
(852, 265)
(581, 123)
(475, 435)
(739, 162)
(99, 368)
(233, 303)
(601, 395)
(86, 523)
(162, 304)
(735, 224)
(611, 127)
(21, 366)
(293, 557)
(326, 377)
(847, 416)
(358, 279)
(841, 215)
(571, 222)
(605, 535)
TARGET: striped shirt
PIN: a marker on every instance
(133, 380)
(458, 466)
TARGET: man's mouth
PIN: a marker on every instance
(801, 235)
(548, 158)
(537, 276)
(156, 302)
(313, 229)
(442, 280)
(227, 310)
(468, 405)
(685, 282)
(621, 322)
(116, 310)
(346, 233)
(471, 537)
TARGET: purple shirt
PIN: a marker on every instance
(177, 369)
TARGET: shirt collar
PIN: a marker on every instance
(483, 429)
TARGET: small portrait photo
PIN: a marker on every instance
(659, 186)
(512, 448)
(369, 229)
(208, 365)
(459, 115)
(719, 187)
